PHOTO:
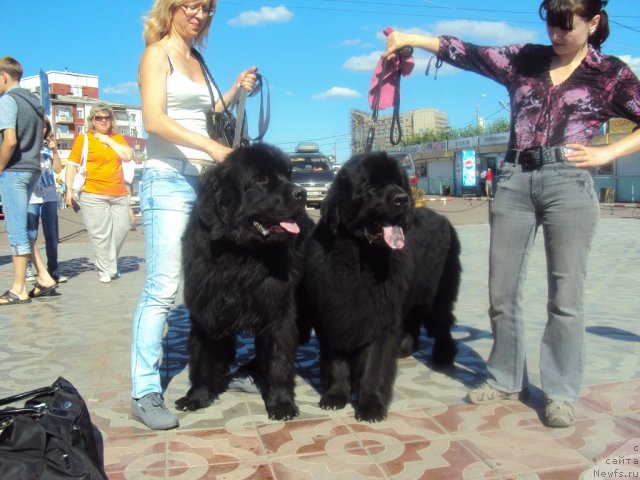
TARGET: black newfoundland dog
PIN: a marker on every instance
(242, 265)
(376, 270)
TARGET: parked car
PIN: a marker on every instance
(134, 199)
(406, 160)
(312, 171)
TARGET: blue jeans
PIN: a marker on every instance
(166, 201)
(561, 198)
(15, 190)
(48, 211)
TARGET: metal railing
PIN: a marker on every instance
(436, 186)
(626, 189)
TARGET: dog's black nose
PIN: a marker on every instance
(400, 200)
(299, 193)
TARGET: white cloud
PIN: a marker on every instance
(337, 92)
(263, 16)
(487, 33)
(633, 62)
(417, 31)
(125, 88)
(351, 43)
(363, 63)
(355, 43)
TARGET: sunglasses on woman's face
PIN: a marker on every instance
(100, 118)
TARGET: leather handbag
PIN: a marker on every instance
(80, 177)
(225, 127)
(50, 438)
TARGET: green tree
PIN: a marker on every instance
(497, 126)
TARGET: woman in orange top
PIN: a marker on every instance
(104, 201)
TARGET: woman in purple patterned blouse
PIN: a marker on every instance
(560, 96)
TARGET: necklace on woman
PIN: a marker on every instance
(187, 56)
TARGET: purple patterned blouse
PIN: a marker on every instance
(543, 114)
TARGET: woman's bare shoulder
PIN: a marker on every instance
(155, 54)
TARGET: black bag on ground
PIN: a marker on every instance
(50, 438)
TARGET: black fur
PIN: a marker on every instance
(365, 300)
(239, 278)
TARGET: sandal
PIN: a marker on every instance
(42, 290)
(12, 299)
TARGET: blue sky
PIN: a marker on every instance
(318, 55)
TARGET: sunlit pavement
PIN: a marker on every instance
(83, 333)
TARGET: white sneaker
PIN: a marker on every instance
(60, 278)
(31, 275)
(105, 278)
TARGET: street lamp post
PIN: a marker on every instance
(479, 119)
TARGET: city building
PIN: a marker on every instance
(411, 123)
(454, 166)
(71, 96)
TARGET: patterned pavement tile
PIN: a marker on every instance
(517, 452)
(402, 426)
(352, 464)
(466, 419)
(440, 459)
(305, 437)
(619, 397)
(593, 438)
(84, 333)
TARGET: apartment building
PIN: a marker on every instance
(413, 122)
(71, 96)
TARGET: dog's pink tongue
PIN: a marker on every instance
(291, 227)
(394, 236)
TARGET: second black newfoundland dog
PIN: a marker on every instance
(241, 267)
(376, 270)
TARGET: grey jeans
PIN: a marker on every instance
(562, 199)
(107, 221)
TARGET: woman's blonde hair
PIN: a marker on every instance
(157, 24)
(99, 108)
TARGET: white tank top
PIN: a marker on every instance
(187, 103)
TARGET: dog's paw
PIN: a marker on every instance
(371, 411)
(407, 346)
(444, 353)
(283, 411)
(195, 399)
(333, 401)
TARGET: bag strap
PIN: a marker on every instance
(241, 129)
(12, 412)
(209, 81)
(85, 151)
(264, 116)
(395, 135)
(33, 393)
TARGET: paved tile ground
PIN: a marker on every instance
(83, 334)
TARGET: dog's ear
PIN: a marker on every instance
(332, 209)
(212, 209)
(406, 186)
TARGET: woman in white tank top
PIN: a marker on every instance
(175, 98)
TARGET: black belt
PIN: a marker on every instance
(535, 157)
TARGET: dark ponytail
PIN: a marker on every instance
(559, 13)
(602, 31)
